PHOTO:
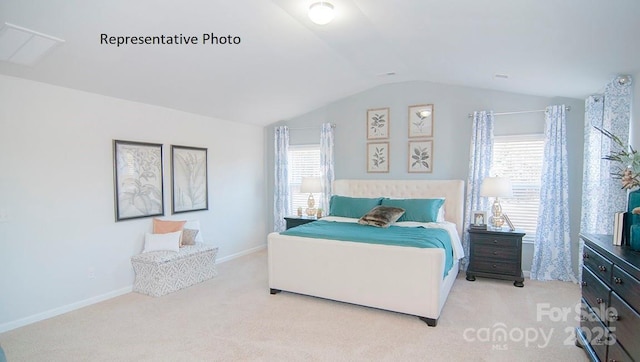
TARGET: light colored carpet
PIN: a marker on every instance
(233, 317)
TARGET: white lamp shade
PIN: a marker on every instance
(496, 187)
(321, 12)
(311, 185)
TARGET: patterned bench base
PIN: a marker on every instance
(162, 272)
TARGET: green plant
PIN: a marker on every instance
(628, 171)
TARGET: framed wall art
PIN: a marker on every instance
(421, 121)
(189, 179)
(138, 181)
(378, 157)
(377, 123)
(421, 156)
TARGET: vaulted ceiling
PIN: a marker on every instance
(284, 65)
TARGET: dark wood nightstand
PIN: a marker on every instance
(293, 221)
(496, 254)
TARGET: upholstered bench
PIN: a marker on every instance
(162, 272)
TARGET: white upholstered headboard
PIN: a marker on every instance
(451, 190)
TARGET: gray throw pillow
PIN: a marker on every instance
(381, 216)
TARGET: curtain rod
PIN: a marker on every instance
(567, 108)
(333, 125)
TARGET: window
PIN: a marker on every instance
(520, 159)
(304, 161)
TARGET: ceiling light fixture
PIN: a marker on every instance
(321, 12)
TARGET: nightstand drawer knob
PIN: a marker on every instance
(617, 280)
(599, 300)
(602, 268)
(495, 253)
(585, 256)
(584, 284)
(495, 241)
(613, 316)
(494, 266)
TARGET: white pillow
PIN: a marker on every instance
(168, 241)
(441, 215)
(195, 225)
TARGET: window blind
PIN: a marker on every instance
(520, 159)
(304, 161)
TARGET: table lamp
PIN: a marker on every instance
(311, 185)
(496, 187)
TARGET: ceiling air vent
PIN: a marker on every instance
(23, 46)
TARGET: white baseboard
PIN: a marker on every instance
(100, 298)
(242, 253)
(64, 309)
(527, 274)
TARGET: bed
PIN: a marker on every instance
(402, 279)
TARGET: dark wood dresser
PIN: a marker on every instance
(610, 305)
(496, 254)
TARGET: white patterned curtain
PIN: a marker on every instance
(552, 245)
(281, 185)
(480, 159)
(602, 195)
(326, 164)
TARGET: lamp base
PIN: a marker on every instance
(311, 211)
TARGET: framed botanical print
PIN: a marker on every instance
(377, 123)
(189, 179)
(421, 156)
(378, 157)
(138, 179)
(421, 121)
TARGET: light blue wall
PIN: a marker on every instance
(452, 133)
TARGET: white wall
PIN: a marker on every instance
(635, 113)
(452, 134)
(57, 199)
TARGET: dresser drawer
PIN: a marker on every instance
(626, 286)
(598, 264)
(625, 325)
(495, 252)
(496, 267)
(497, 241)
(594, 331)
(618, 354)
(595, 292)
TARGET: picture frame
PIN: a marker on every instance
(421, 121)
(378, 123)
(479, 220)
(508, 221)
(378, 157)
(189, 179)
(138, 179)
(420, 156)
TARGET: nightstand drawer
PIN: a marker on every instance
(495, 267)
(494, 252)
(497, 241)
(597, 264)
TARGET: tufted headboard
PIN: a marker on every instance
(451, 190)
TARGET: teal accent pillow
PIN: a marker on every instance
(354, 207)
(421, 210)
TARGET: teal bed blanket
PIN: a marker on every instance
(417, 237)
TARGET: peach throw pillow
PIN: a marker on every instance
(167, 226)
